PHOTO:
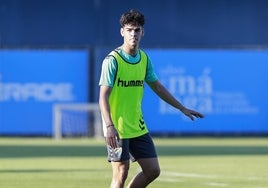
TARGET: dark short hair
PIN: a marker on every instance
(132, 17)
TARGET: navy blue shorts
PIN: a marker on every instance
(133, 148)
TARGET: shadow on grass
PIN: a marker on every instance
(51, 151)
(95, 151)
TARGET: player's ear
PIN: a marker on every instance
(122, 31)
(143, 32)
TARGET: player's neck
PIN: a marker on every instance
(130, 50)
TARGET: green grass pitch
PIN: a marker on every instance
(185, 163)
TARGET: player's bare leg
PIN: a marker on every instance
(120, 172)
(150, 171)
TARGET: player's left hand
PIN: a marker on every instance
(192, 114)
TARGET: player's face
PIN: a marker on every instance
(132, 34)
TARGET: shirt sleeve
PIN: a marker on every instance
(108, 71)
(150, 74)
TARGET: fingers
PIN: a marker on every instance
(112, 138)
(111, 141)
(198, 115)
(191, 117)
(193, 114)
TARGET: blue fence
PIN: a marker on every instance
(172, 23)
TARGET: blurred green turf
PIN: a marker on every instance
(185, 162)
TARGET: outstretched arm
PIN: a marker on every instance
(165, 95)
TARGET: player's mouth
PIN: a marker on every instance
(133, 40)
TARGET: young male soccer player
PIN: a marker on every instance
(124, 72)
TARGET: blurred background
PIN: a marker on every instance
(212, 55)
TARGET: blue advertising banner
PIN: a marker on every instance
(230, 87)
(31, 81)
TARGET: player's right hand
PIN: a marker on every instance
(112, 136)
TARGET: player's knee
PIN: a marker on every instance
(153, 173)
(156, 172)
